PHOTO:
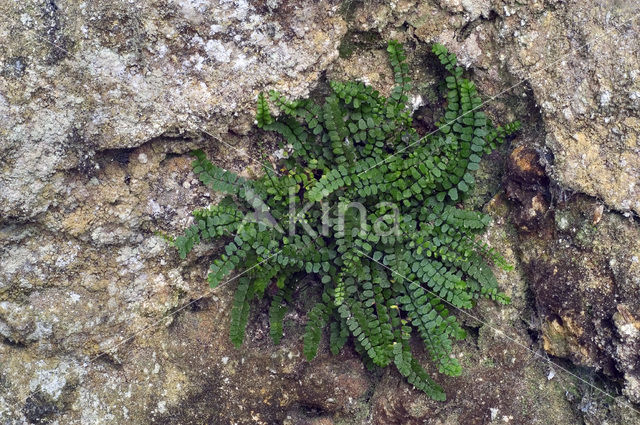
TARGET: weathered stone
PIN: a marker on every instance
(585, 281)
(77, 79)
(101, 101)
(628, 349)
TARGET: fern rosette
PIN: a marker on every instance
(370, 208)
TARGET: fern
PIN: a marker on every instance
(313, 332)
(215, 177)
(276, 316)
(240, 311)
(399, 268)
(263, 115)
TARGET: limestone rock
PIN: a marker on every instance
(78, 78)
(100, 322)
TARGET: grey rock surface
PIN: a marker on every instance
(79, 77)
(100, 102)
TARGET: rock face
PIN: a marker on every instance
(78, 78)
(100, 322)
(584, 274)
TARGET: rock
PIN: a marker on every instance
(346, 382)
(581, 270)
(585, 281)
(628, 350)
(527, 186)
(525, 166)
(499, 377)
(583, 74)
(101, 104)
(101, 322)
(77, 80)
(587, 105)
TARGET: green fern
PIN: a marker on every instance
(415, 260)
(240, 311)
(277, 312)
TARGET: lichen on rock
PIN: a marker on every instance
(100, 103)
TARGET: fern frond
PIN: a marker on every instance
(317, 319)
(393, 253)
(399, 98)
(215, 177)
(338, 335)
(276, 316)
(263, 115)
(409, 367)
(240, 311)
